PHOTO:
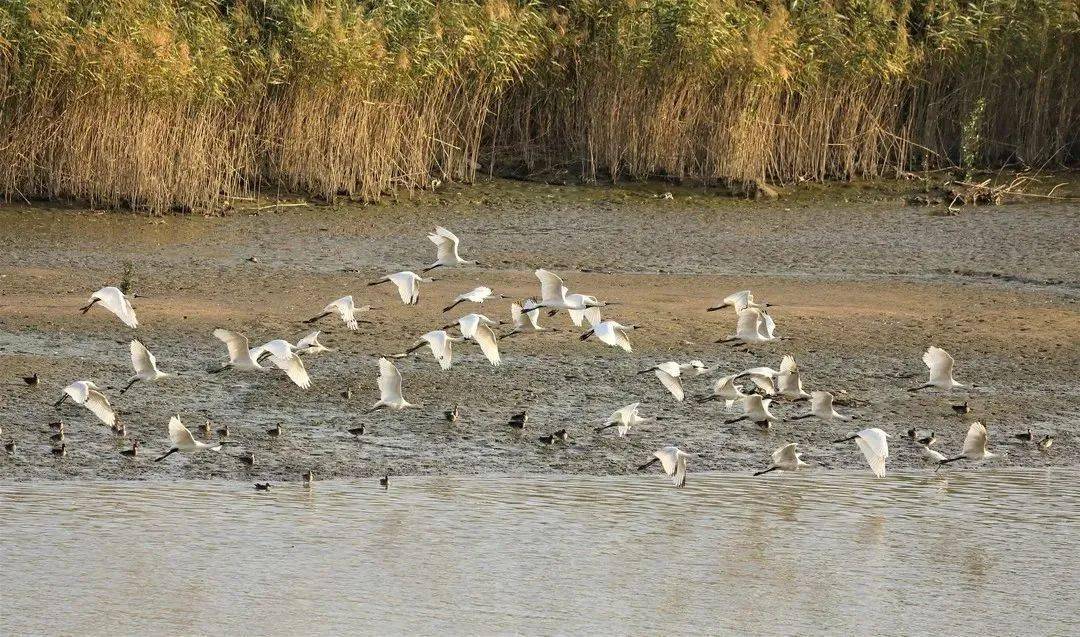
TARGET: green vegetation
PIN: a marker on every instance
(178, 104)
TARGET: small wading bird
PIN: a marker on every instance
(144, 364)
(310, 345)
(10, 446)
(452, 415)
(475, 295)
(821, 406)
(33, 380)
(384, 481)
(441, 345)
(346, 309)
(726, 390)
(962, 409)
(113, 300)
(390, 388)
(738, 300)
(784, 459)
(517, 421)
(1046, 442)
(1025, 436)
(555, 436)
(447, 244)
(133, 452)
(940, 364)
(60, 451)
(276, 431)
(974, 445)
(752, 328)
(673, 460)
(927, 440)
(756, 410)
(407, 284)
(265, 486)
(624, 419)
(358, 431)
(874, 443)
(611, 333)
(183, 441)
(87, 394)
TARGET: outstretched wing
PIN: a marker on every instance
(975, 441)
(115, 301)
(785, 454)
(551, 286)
(671, 383)
(237, 343)
(940, 364)
(489, 344)
(179, 434)
(97, 403)
(389, 382)
(142, 360)
(293, 366)
(875, 446)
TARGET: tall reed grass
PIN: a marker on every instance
(180, 104)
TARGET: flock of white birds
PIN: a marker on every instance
(754, 325)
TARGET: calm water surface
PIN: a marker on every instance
(955, 553)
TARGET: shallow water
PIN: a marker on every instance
(820, 552)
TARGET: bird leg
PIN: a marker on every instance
(648, 464)
(734, 420)
(431, 267)
(607, 426)
(316, 318)
(379, 282)
(920, 387)
(801, 417)
(845, 439)
(451, 306)
(713, 309)
(586, 335)
(133, 381)
(167, 454)
(763, 472)
(86, 309)
(220, 369)
(61, 401)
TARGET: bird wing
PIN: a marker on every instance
(820, 401)
(788, 364)
(669, 457)
(516, 316)
(311, 340)
(468, 325)
(624, 414)
(679, 479)
(444, 243)
(179, 434)
(767, 326)
(671, 383)
(671, 368)
(551, 286)
(489, 344)
(789, 383)
(346, 309)
(389, 382)
(99, 405)
(293, 366)
(576, 316)
(975, 441)
(875, 446)
(739, 299)
(404, 287)
(765, 383)
(443, 232)
(725, 387)
(785, 455)
(142, 360)
(440, 347)
(592, 315)
(237, 343)
(77, 391)
(746, 325)
(940, 364)
(115, 301)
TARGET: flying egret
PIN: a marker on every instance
(874, 444)
(673, 460)
(447, 244)
(752, 327)
(739, 301)
(725, 389)
(390, 388)
(475, 295)
(441, 345)
(469, 323)
(553, 294)
(974, 445)
(821, 406)
(756, 410)
(112, 299)
(668, 373)
(930, 455)
(240, 356)
(784, 459)
(763, 377)
(407, 283)
(788, 381)
(612, 333)
(940, 364)
(183, 441)
(624, 419)
(283, 354)
(346, 309)
(87, 394)
(527, 310)
(145, 366)
(310, 345)
(590, 313)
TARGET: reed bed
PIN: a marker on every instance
(181, 104)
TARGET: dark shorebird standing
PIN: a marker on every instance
(517, 421)
(247, 459)
(33, 380)
(60, 451)
(1025, 436)
(452, 415)
(961, 409)
(358, 431)
(275, 432)
(384, 481)
(262, 487)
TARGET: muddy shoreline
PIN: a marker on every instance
(862, 283)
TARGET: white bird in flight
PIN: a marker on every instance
(785, 458)
(756, 410)
(183, 441)
(407, 283)
(738, 300)
(241, 357)
(145, 366)
(87, 394)
(475, 295)
(725, 389)
(390, 388)
(112, 299)
(310, 345)
(788, 381)
(624, 419)
(447, 244)
(763, 377)
(283, 354)
(526, 311)
(591, 312)
(477, 327)
(874, 443)
(821, 406)
(751, 328)
(673, 460)
(974, 445)
(441, 345)
(553, 294)
(670, 372)
(345, 308)
(930, 455)
(940, 364)
(611, 333)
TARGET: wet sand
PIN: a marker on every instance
(861, 284)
